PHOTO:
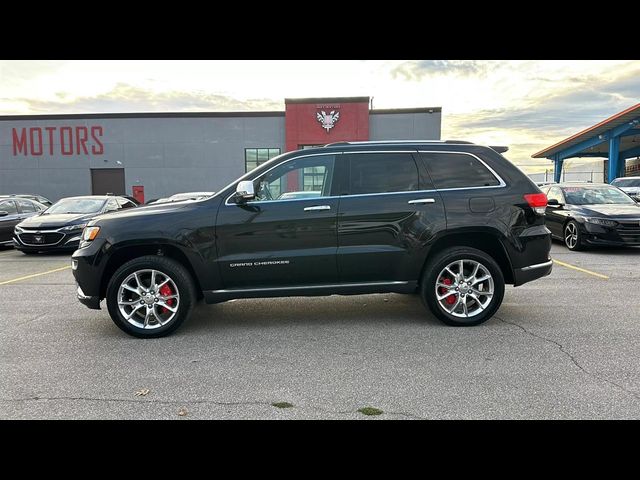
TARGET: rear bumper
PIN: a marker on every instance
(530, 254)
(532, 272)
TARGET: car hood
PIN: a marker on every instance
(631, 211)
(56, 220)
(145, 211)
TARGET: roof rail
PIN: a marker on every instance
(375, 142)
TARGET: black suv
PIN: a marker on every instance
(450, 220)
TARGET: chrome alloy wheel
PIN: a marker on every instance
(148, 299)
(464, 288)
(571, 235)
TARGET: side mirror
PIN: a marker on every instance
(244, 191)
(3, 213)
(552, 202)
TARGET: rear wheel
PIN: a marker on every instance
(462, 286)
(150, 296)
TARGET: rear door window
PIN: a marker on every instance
(382, 173)
(26, 206)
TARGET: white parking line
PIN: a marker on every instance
(35, 275)
(584, 270)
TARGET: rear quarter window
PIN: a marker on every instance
(458, 170)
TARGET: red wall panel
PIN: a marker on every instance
(303, 128)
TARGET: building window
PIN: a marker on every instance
(257, 156)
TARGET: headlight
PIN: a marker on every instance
(72, 228)
(90, 233)
(18, 230)
(602, 221)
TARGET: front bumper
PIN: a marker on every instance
(90, 301)
(63, 241)
(622, 235)
(88, 264)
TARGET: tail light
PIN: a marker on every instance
(537, 201)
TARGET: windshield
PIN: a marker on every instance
(626, 182)
(76, 205)
(596, 195)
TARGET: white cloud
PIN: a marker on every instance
(527, 105)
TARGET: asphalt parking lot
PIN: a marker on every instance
(563, 347)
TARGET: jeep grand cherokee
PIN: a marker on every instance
(451, 221)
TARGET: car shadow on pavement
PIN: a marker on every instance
(311, 311)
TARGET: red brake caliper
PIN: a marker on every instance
(165, 291)
(451, 299)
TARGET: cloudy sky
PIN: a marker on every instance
(526, 105)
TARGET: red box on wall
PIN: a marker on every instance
(138, 193)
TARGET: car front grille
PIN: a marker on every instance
(41, 239)
(629, 231)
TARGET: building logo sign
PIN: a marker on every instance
(67, 140)
(328, 120)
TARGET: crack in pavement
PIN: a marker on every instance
(194, 402)
(128, 400)
(572, 358)
(37, 317)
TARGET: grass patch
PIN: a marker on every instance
(370, 411)
(282, 405)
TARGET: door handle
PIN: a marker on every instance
(317, 207)
(421, 201)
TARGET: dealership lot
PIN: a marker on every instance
(565, 346)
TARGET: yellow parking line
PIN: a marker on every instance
(35, 275)
(599, 275)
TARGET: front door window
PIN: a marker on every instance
(307, 177)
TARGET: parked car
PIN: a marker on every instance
(59, 227)
(132, 199)
(592, 214)
(13, 210)
(38, 198)
(179, 197)
(452, 221)
(629, 185)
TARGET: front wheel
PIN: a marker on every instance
(150, 296)
(462, 286)
(572, 236)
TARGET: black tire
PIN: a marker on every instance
(437, 264)
(166, 266)
(572, 224)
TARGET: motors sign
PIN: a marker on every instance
(68, 140)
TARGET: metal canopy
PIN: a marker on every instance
(617, 137)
